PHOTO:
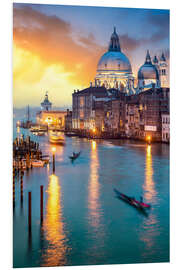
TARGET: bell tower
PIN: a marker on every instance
(163, 71)
(46, 105)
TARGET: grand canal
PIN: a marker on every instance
(84, 221)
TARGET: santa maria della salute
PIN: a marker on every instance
(114, 70)
(120, 104)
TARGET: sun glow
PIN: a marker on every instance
(31, 75)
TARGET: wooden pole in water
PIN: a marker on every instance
(29, 210)
(21, 188)
(41, 203)
(13, 190)
(53, 162)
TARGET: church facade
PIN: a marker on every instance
(113, 104)
(114, 70)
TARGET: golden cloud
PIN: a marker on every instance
(51, 39)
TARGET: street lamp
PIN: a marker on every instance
(53, 152)
(148, 138)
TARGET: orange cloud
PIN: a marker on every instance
(51, 39)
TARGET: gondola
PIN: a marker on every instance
(132, 201)
(75, 156)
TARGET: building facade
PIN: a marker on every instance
(51, 118)
(165, 128)
(89, 107)
(68, 120)
(115, 106)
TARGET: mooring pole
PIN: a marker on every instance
(13, 191)
(21, 188)
(53, 162)
(29, 210)
(41, 202)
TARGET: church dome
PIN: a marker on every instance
(114, 59)
(148, 71)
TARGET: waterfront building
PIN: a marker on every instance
(46, 104)
(143, 113)
(134, 119)
(114, 120)
(114, 68)
(51, 118)
(88, 107)
(68, 120)
(165, 127)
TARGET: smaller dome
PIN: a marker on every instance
(148, 71)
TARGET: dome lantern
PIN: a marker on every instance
(148, 58)
(114, 45)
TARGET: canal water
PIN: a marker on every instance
(84, 222)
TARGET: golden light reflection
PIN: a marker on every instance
(148, 233)
(93, 198)
(93, 145)
(149, 181)
(18, 130)
(53, 226)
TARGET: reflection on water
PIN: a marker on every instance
(53, 226)
(96, 228)
(93, 198)
(149, 232)
(150, 193)
(83, 221)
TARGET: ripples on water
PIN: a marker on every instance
(84, 222)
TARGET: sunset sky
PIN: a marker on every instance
(57, 48)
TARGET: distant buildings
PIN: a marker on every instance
(53, 118)
(113, 105)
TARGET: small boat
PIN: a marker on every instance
(38, 129)
(56, 137)
(38, 163)
(71, 134)
(132, 201)
(75, 155)
(40, 133)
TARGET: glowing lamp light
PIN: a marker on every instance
(53, 149)
(94, 130)
(148, 138)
